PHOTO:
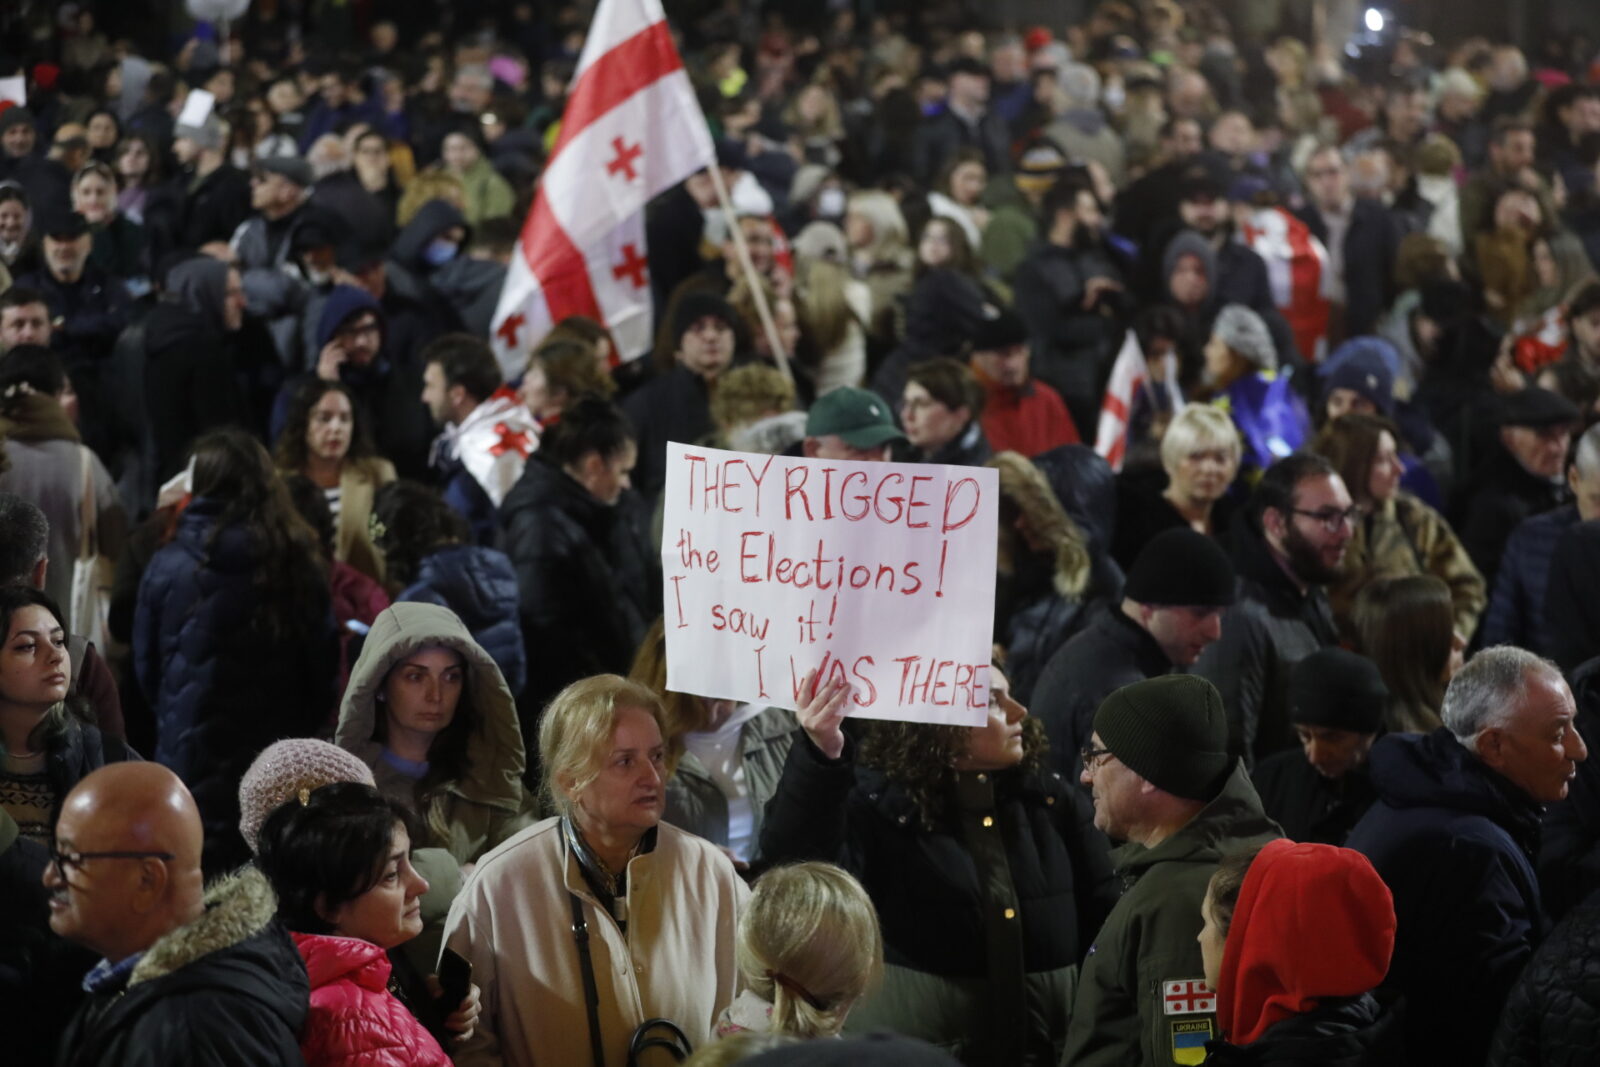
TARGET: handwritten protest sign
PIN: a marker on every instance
(878, 573)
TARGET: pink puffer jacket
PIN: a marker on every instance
(355, 1021)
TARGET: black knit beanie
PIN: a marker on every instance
(1171, 731)
(1181, 566)
(1339, 690)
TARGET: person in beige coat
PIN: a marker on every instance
(660, 907)
(325, 441)
(1398, 535)
(430, 713)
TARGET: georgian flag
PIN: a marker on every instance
(1297, 269)
(1130, 376)
(631, 129)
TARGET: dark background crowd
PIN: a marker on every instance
(1279, 320)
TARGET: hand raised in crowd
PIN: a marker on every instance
(464, 1020)
(822, 715)
(332, 358)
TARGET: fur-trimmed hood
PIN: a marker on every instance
(494, 749)
(228, 987)
(238, 907)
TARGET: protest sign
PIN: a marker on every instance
(882, 574)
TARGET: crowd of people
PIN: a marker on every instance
(334, 716)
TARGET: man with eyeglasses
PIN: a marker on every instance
(187, 976)
(1171, 610)
(1301, 520)
(352, 347)
(1523, 478)
(1164, 783)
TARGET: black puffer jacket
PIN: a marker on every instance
(584, 581)
(1338, 1032)
(1013, 840)
(222, 691)
(1552, 1018)
(229, 987)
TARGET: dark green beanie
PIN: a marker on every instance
(1171, 731)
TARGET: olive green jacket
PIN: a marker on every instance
(1135, 1002)
(470, 816)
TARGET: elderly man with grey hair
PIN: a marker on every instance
(1453, 834)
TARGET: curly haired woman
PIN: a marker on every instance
(986, 871)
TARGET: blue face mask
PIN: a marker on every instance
(439, 252)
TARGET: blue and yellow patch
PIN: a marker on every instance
(1189, 1037)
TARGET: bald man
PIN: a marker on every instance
(187, 976)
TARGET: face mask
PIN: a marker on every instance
(830, 203)
(439, 252)
(1114, 96)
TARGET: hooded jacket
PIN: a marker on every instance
(475, 813)
(190, 381)
(1147, 946)
(408, 271)
(221, 690)
(1455, 842)
(228, 987)
(1312, 922)
(354, 1020)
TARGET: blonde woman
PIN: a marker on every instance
(1200, 452)
(809, 946)
(583, 926)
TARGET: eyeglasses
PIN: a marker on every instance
(1092, 756)
(1331, 518)
(920, 403)
(62, 860)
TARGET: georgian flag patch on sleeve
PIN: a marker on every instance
(1187, 996)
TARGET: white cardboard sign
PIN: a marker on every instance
(197, 107)
(14, 89)
(882, 574)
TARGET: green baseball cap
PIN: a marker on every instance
(859, 416)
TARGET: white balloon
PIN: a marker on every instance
(216, 10)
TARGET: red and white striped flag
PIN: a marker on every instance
(1297, 268)
(632, 128)
(1130, 375)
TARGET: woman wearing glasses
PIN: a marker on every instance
(45, 746)
(986, 870)
(1397, 535)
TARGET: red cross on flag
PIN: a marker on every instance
(632, 129)
(1189, 996)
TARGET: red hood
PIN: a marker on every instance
(330, 958)
(1312, 921)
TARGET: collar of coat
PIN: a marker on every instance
(37, 417)
(237, 908)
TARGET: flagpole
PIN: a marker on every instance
(751, 277)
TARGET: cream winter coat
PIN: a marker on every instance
(513, 922)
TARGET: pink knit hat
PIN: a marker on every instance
(286, 767)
